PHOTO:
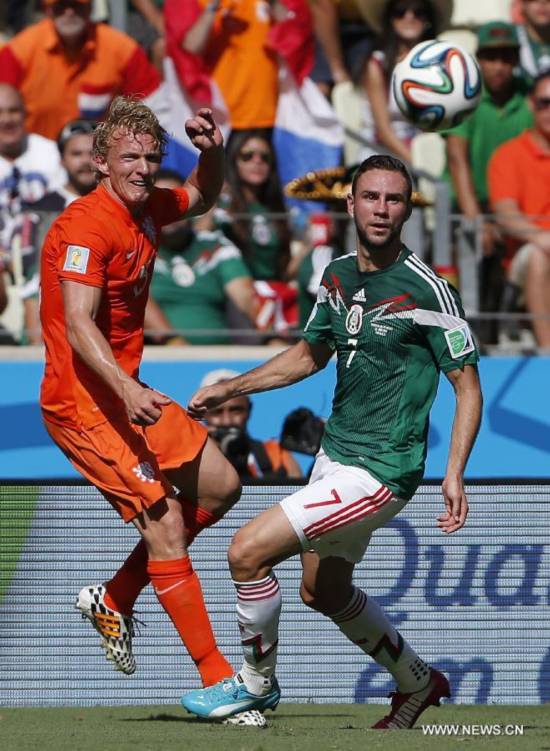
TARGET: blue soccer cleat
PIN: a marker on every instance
(229, 697)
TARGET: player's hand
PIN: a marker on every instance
(143, 405)
(207, 398)
(456, 505)
(202, 130)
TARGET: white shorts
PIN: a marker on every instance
(336, 513)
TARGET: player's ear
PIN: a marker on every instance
(100, 166)
(350, 204)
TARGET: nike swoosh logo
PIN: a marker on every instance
(168, 589)
(130, 254)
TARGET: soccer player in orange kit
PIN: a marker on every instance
(133, 443)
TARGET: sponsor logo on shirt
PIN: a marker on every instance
(76, 259)
(144, 472)
(354, 319)
(359, 296)
(459, 341)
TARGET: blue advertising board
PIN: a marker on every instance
(514, 440)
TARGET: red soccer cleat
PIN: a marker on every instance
(407, 708)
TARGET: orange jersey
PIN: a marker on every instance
(241, 63)
(97, 242)
(57, 89)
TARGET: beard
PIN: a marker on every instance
(83, 182)
(376, 244)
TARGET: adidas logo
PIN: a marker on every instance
(359, 296)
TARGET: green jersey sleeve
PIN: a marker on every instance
(440, 319)
(318, 329)
(230, 264)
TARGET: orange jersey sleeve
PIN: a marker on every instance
(168, 205)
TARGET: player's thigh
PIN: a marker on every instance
(118, 461)
(175, 439)
(209, 477)
(265, 541)
(336, 513)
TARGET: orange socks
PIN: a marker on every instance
(196, 519)
(123, 589)
(179, 592)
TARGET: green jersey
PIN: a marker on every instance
(393, 331)
(190, 286)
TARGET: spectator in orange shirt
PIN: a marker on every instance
(153, 463)
(67, 67)
(231, 38)
(519, 191)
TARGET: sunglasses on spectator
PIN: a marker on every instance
(402, 10)
(246, 156)
(541, 103)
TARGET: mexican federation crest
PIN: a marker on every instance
(354, 319)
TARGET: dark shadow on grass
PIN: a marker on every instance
(279, 717)
(160, 718)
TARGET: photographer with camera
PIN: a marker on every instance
(253, 459)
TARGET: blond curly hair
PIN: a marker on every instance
(127, 115)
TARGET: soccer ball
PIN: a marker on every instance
(437, 85)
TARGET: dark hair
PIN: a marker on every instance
(165, 173)
(388, 41)
(74, 128)
(383, 162)
(270, 193)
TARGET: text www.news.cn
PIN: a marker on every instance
(467, 730)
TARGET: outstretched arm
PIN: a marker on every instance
(294, 364)
(466, 424)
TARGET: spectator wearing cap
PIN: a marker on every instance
(75, 148)
(502, 114)
(227, 424)
(68, 67)
(534, 37)
(519, 192)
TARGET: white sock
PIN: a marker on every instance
(364, 623)
(258, 611)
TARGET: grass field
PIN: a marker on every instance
(294, 727)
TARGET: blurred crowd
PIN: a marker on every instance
(248, 271)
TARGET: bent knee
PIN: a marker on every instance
(244, 557)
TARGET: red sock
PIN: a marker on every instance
(123, 589)
(179, 592)
(196, 519)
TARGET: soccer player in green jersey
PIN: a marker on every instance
(394, 325)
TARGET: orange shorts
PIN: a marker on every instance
(126, 462)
